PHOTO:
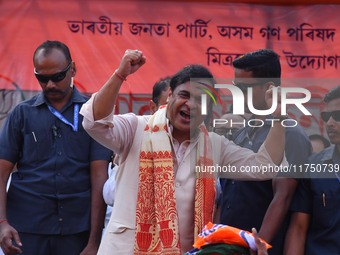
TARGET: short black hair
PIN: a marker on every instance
(160, 86)
(334, 93)
(264, 63)
(190, 72)
(47, 46)
(194, 72)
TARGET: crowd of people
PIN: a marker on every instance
(147, 175)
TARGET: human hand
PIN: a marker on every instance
(9, 239)
(131, 62)
(90, 249)
(261, 246)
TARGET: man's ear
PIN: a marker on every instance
(170, 95)
(73, 69)
(153, 107)
(268, 84)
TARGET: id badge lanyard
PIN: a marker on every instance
(63, 119)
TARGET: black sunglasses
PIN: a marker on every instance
(244, 86)
(57, 77)
(325, 116)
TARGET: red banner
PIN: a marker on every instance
(171, 35)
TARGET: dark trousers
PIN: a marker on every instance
(36, 244)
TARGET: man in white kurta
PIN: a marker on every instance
(124, 135)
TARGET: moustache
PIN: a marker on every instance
(331, 130)
(53, 91)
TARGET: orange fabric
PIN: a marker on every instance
(218, 233)
(156, 215)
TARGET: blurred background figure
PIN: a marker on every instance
(315, 223)
(263, 205)
(160, 93)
